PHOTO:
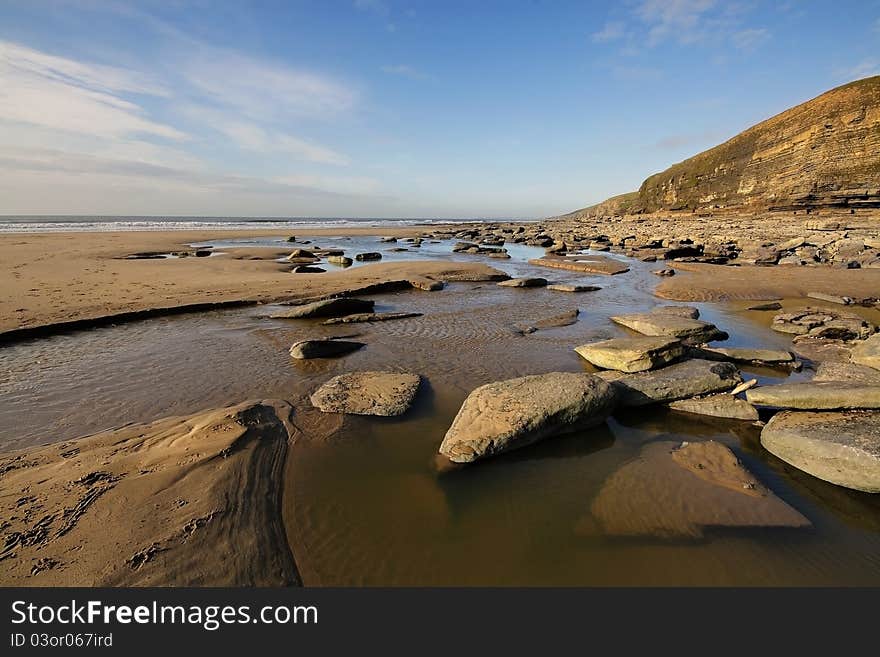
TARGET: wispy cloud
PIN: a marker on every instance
(377, 6)
(750, 39)
(403, 70)
(680, 20)
(611, 31)
(263, 89)
(864, 69)
(45, 90)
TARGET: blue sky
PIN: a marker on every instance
(387, 108)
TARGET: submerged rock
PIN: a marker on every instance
(524, 282)
(673, 491)
(824, 395)
(566, 287)
(506, 415)
(367, 393)
(841, 448)
(631, 354)
(358, 318)
(563, 319)
(772, 305)
(722, 405)
(671, 325)
(740, 355)
(323, 348)
(327, 308)
(674, 382)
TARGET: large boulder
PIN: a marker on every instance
(681, 491)
(721, 405)
(670, 325)
(823, 395)
(868, 352)
(327, 308)
(367, 393)
(841, 448)
(680, 381)
(506, 415)
(631, 354)
(323, 348)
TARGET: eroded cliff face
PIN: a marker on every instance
(823, 153)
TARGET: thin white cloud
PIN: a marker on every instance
(253, 137)
(263, 89)
(750, 38)
(611, 31)
(864, 69)
(403, 70)
(679, 20)
(361, 185)
(376, 6)
(44, 90)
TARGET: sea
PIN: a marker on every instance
(79, 223)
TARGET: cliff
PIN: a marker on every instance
(822, 153)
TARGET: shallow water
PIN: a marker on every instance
(366, 504)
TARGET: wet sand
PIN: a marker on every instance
(64, 277)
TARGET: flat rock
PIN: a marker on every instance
(843, 371)
(722, 405)
(868, 352)
(563, 319)
(565, 287)
(340, 260)
(359, 318)
(823, 395)
(307, 269)
(681, 491)
(506, 415)
(830, 298)
(631, 354)
(367, 393)
(368, 256)
(772, 305)
(524, 282)
(679, 381)
(301, 255)
(841, 448)
(327, 308)
(583, 264)
(671, 325)
(679, 311)
(324, 348)
(740, 355)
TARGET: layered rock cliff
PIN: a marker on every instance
(822, 153)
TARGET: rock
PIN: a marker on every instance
(387, 240)
(823, 395)
(565, 287)
(368, 256)
(367, 393)
(841, 371)
(841, 448)
(668, 324)
(342, 261)
(664, 272)
(563, 319)
(823, 323)
(524, 282)
(510, 414)
(687, 379)
(740, 355)
(722, 405)
(306, 269)
(742, 387)
(868, 352)
(631, 354)
(323, 348)
(301, 255)
(426, 284)
(358, 318)
(327, 308)
(679, 311)
(584, 264)
(202, 253)
(292, 238)
(830, 298)
(773, 305)
(680, 491)
(323, 253)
